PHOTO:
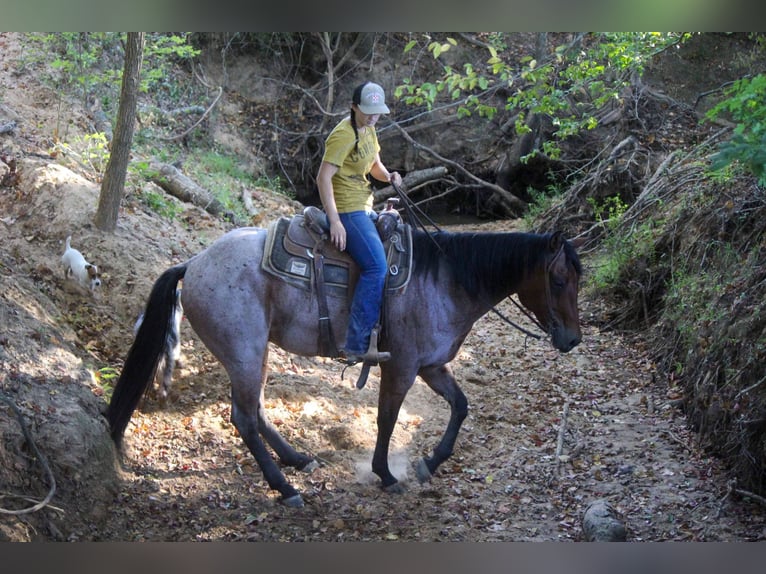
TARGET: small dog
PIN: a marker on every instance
(171, 355)
(75, 265)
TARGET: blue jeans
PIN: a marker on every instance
(364, 246)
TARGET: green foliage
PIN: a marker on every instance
(746, 105)
(623, 248)
(223, 175)
(90, 153)
(693, 299)
(161, 53)
(568, 87)
(92, 62)
(81, 60)
(105, 377)
(160, 203)
(620, 255)
(540, 202)
(609, 211)
(216, 163)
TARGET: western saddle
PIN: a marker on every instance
(299, 251)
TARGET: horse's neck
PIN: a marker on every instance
(446, 297)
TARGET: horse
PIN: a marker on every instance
(236, 308)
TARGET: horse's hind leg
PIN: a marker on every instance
(441, 380)
(245, 408)
(286, 453)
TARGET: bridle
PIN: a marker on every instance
(548, 301)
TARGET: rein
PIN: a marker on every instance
(519, 327)
(410, 208)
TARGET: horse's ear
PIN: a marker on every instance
(556, 241)
(558, 238)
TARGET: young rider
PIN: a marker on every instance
(351, 154)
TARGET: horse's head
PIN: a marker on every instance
(551, 293)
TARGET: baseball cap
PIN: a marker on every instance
(373, 100)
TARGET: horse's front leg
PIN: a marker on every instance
(443, 383)
(390, 398)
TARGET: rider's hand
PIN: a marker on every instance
(338, 235)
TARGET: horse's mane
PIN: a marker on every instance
(483, 262)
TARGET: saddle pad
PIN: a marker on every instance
(291, 259)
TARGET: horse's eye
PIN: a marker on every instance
(558, 282)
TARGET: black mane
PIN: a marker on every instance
(488, 263)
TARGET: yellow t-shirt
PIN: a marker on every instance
(350, 185)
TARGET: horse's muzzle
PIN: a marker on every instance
(565, 339)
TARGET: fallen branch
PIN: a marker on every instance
(247, 200)
(38, 455)
(560, 440)
(759, 499)
(562, 430)
(198, 122)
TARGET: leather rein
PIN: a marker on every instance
(410, 208)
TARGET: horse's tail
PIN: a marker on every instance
(144, 355)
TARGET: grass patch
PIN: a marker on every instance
(221, 173)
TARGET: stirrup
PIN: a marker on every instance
(372, 356)
(368, 358)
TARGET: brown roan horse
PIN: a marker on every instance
(236, 309)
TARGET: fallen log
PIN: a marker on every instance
(505, 198)
(170, 179)
(601, 523)
(410, 181)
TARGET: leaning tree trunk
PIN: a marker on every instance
(114, 177)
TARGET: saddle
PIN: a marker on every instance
(299, 251)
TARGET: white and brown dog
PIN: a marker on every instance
(76, 266)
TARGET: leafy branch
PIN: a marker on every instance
(746, 105)
(567, 86)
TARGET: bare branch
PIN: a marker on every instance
(198, 122)
(511, 200)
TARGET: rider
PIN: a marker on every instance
(351, 153)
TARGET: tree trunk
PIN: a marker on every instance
(113, 185)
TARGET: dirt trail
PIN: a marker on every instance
(192, 479)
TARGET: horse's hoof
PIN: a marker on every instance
(294, 501)
(309, 467)
(422, 472)
(395, 488)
